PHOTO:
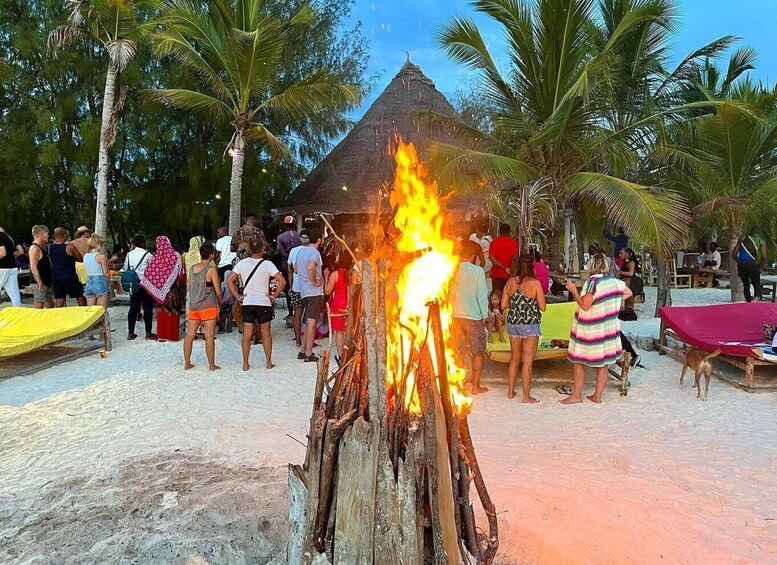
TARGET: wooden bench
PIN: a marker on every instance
(769, 289)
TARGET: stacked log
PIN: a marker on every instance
(380, 484)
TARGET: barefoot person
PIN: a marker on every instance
(255, 273)
(96, 265)
(470, 310)
(525, 298)
(595, 338)
(204, 300)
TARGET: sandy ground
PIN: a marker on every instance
(131, 460)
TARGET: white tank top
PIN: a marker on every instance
(93, 268)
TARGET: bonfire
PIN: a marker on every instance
(390, 461)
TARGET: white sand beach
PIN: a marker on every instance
(130, 460)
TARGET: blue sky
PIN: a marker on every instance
(397, 26)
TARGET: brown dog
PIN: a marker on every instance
(701, 362)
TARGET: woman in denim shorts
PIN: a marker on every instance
(97, 267)
(525, 299)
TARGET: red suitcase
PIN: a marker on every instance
(168, 325)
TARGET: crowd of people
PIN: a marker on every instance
(499, 292)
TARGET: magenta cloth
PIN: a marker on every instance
(542, 274)
(162, 270)
(705, 327)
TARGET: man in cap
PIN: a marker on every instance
(81, 241)
(287, 241)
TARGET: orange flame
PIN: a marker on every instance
(413, 285)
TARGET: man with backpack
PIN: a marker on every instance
(134, 267)
(749, 254)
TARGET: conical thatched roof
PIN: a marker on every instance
(363, 161)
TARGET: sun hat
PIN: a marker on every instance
(81, 230)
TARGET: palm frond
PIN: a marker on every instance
(274, 146)
(191, 100)
(64, 36)
(657, 218)
(310, 95)
(121, 51)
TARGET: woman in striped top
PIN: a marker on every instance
(595, 338)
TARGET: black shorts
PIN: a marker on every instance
(258, 314)
(71, 287)
(314, 307)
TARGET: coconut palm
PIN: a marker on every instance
(527, 209)
(553, 101)
(116, 26)
(234, 50)
(726, 163)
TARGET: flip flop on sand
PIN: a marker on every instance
(563, 389)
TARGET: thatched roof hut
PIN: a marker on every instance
(346, 182)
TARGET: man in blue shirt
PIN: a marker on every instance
(621, 241)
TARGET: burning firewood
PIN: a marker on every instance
(390, 460)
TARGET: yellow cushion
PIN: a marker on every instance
(556, 324)
(26, 329)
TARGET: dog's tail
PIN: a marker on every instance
(713, 354)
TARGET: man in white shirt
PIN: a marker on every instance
(138, 259)
(712, 260)
(224, 250)
(308, 268)
(484, 240)
(295, 298)
(257, 299)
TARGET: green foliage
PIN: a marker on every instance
(167, 167)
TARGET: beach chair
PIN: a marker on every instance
(555, 327)
(31, 339)
(736, 329)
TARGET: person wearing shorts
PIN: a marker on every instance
(96, 265)
(295, 297)
(258, 300)
(524, 299)
(308, 267)
(470, 310)
(40, 267)
(63, 255)
(204, 297)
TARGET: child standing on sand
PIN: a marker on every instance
(495, 320)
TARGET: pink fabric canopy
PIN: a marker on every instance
(706, 327)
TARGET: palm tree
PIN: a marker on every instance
(116, 26)
(527, 209)
(234, 49)
(726, 163)
(553, 103)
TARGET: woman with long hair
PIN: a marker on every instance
(337, 289)
(595, 340)
(524, 298)
(98, 287)
(629, 268)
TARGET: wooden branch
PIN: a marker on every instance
(485, 499)
(341, 240)
(334, 431)
(375, 389)
(313, 480)
(468, 513)
(298, 502)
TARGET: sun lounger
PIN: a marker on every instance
(736, 329)
(556, 325)
(26, 330)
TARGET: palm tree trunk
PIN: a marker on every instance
(737, 288)
(236, 184)
(109, 101)
(664, 292)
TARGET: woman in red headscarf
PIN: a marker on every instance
(164, 280)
